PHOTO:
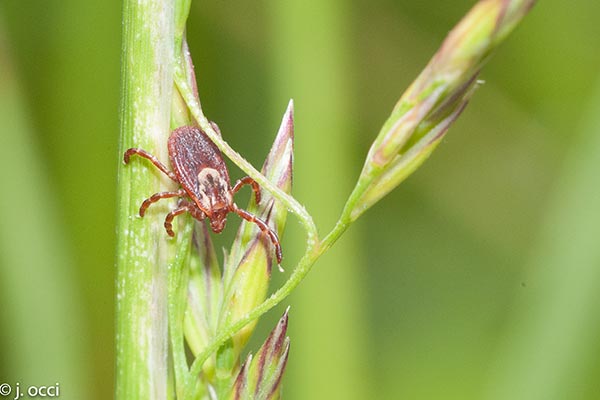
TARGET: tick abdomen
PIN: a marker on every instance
(190, 152)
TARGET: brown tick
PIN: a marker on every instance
(199, 169)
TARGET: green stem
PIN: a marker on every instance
(313, 250)
(142, 251)
(300, 271)
(178, 284)
(457, 69)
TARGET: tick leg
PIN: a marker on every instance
(157, 196)
(247, 181)
(183, 207)
(196, 212)
(154, 160)
(263, 227)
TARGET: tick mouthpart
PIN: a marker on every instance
(217, 221)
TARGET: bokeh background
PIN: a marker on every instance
(476, 279)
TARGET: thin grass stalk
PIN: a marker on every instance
(142, 251)
(431, 103)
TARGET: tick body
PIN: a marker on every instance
(206, 192)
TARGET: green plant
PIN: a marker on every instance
(168, 290)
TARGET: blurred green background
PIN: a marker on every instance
(476, 279)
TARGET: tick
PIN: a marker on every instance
(205, 188)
